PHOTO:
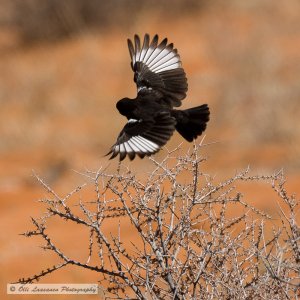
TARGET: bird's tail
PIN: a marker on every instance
(192, 122)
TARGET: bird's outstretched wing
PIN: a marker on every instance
(143, 137)
(157, 69)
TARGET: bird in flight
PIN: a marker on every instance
(161, 85)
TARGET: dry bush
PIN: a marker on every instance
(186, 241)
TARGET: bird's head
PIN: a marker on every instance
(126, 106)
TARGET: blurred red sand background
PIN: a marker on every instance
(58, 107)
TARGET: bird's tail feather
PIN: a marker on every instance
(192, 122)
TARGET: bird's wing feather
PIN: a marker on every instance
(143, 137)
(157, 69)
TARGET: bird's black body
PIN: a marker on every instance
(161, 84)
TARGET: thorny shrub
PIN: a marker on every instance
(186, 243)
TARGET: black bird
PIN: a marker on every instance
(161, 85)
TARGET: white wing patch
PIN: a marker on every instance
(144, 87)
(137, 144)
(131, 121)
(157, 58)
